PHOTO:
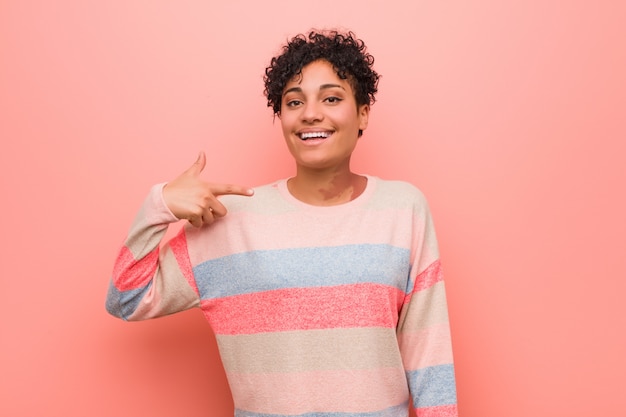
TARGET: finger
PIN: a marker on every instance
(199, 165)
(217, 209)
(195, 221)
(232, 189)
(208, 216)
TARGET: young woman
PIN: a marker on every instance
(324, 290)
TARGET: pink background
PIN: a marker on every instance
(509, 115)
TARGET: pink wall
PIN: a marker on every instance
(509, 115)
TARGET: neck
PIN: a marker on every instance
(326, 188)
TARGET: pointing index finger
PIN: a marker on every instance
(224, 189)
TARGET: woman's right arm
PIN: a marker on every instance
(150, 280)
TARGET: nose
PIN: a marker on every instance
(311, 112)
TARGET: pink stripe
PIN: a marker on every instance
(427, 347)
(178, 244)
(358, 305)
(429, 277)
(438, 411)
(390, 226)
(149, 307)
(349, 391)
(129, 273)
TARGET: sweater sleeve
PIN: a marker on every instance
(149, 279)
(423, 327)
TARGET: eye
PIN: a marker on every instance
(293, 103)
(332, 100)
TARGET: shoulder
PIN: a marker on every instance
(399, 193)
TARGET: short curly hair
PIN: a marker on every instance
(344, 51)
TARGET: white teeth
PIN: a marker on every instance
(309, 135)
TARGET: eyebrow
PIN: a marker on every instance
(322, 87)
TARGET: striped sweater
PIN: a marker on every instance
(335, 311)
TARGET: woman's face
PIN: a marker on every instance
(320, 118)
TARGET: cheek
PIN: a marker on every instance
(348, 116)
(285, 127)
(286, 123)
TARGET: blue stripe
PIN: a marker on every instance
(267, 270)
(401, 410)
(124, 303)
(433, 386)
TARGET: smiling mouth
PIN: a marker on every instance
(314, 135)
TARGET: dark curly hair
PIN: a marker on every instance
(344, 51)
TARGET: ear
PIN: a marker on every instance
(363, 113)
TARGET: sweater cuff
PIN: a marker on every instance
(157, 209)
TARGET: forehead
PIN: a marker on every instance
(316, 74)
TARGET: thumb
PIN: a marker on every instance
(199, 165)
